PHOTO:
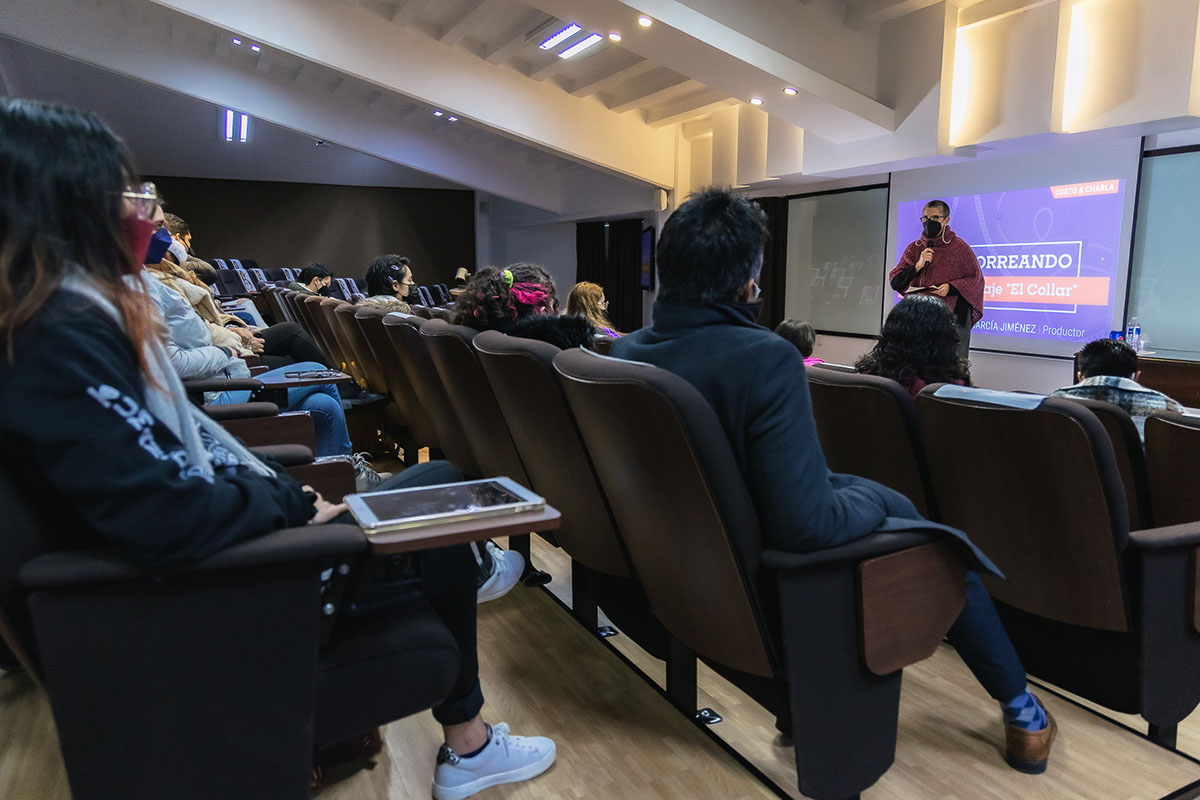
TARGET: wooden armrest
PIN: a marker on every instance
(259, 370)
(475, 530)
(200, 385)
(871, 545)
(241, 411)
(285, 455)
(73, 568)
(290, 427)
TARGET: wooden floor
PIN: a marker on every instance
(619, 738)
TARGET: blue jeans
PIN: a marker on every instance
(323, 403)
(984, 646)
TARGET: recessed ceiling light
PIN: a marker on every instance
(614, 36)
(452, 119)
(561, 36)
(645, 22)
(789, 90)
(579, 47)
(237, 40)
(255, 48)
(437, 113)
(756, 101)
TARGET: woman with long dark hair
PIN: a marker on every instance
(919, 346)
(520, 300)
(97, 433)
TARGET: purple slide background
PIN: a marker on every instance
(1031, 217)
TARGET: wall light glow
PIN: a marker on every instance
(1076, 76)
(645, 22)
(960, 95)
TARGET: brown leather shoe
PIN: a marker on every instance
(1028, 751)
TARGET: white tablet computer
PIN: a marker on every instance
(379, 512)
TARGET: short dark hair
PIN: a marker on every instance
(939, 204)
(312, 272)
(383, 270)
(799, 333)
(176, 225)
(919, 340)
(710, 247)
(1108, 357)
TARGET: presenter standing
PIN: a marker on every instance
(943, 265)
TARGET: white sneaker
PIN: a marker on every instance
(365, 477)
(505, 759)
(508, 566)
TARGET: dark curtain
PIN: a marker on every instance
(774, 271)
(611, 255)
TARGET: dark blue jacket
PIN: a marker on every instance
(755, 382)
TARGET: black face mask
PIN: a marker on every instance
(932, 228)
(325, 290)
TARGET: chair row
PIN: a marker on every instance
(1060, 495)
(662, 534)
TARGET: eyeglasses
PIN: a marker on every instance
(934, 217)
(143, 200)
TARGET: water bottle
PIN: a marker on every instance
(1133, 332)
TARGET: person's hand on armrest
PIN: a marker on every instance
(326, 511)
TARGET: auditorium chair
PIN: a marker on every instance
(421, 311)
(471, 398)
(438, 294)
(404, 332)
(234, 283)
(1131, 461)
(426, 296)
(1091, 606)
(406, 409)
(326, 320)
(314, 322)
(522, 377)
(868, 427)
(207, 680)
(603, 344)
(820, 638)
(1173, 462)
(274, 303)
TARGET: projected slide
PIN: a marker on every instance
(1049, 256)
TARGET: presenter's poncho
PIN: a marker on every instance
(953, 263)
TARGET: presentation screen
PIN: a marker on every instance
(1049, 256)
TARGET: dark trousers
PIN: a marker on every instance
(984, 646)
(287, 343)
(449, 584)
(964, 341)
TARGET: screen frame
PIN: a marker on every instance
(646, 276)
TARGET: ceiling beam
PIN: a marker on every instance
(515, 38)
(723, 57)
(862, 14)
(411, 9)
(650, 93)
(612, 78)
(696, 105)
(469, 21)
(408, 61)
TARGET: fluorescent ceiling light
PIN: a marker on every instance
(237, 40)
(561, 36)
(437, 113)
(255, 48)
(576, 49)
(245, 128)
(229, 124)
(452, 119)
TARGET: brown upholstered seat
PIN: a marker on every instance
(868, 427)
(223, 653)
(405, 336)
(327, 321)
(1091, 607)
(1173, 463)
(318, 329)
(352, 335)
(691, 530)
(1131, 459)
(395, 380)
(422, 312)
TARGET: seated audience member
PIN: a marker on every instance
(182, 234)
(587, 300)
(193, 355)
(709, 258)
(1108, 371)
(919, 346)
(313, 279)
(97, 433)
(803, 336)
(389, 280)
(279, 345)
(520, 300)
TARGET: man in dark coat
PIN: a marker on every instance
(709, 259)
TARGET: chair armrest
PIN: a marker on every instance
(1168, 537)
(867, 547)
(73, 568)
(200, 385)
(241, 411)
(258, 370)
(286, 455)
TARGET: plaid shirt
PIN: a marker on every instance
(1130, 395)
